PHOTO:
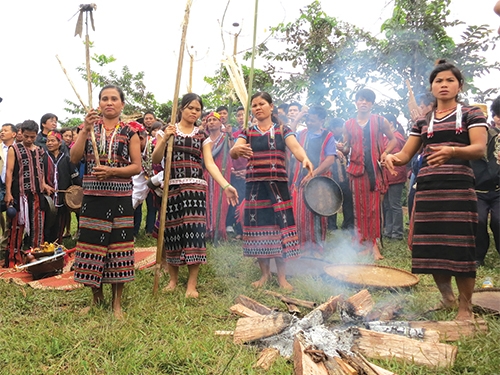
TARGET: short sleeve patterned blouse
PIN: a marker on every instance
(448, 132)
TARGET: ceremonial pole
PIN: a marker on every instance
(250, 77)
(168, 157)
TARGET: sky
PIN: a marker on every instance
(145, 36)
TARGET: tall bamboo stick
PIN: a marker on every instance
(168, 157)
(250, 78)
(87, 109)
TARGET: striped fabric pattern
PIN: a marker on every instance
(444, 224)
(105, 250)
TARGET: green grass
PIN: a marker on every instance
(43, 332)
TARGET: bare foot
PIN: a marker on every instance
(376, 253)
(464, 315)
(444, 304)
(118, 313)
(261, 282)
(170, 287)
(285, 285)
(192, 293)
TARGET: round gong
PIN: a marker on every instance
(323, 196)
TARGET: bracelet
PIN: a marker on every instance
(225, 187)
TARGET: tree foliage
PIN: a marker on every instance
(320, 48)
(137, 98)
(333, 59)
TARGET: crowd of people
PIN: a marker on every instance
(247, 182)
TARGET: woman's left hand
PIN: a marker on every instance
(102, 172)
(231, 195)
(440, 155)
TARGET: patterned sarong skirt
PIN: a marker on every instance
(105, 249)
(185, 225)
(269, 229)
(444, 227)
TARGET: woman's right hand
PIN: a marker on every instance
(90, 119)
(243, 150)
(8, 198)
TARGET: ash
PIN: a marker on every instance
(396, 328)
(315, 333)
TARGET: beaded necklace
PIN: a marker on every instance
(112, 140)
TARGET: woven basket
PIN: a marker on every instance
(372, 275)
(487, 299)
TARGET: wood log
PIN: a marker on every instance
(253, 305)
(329, 307)
(351, 362)
(267, 358)
(259, 327)
(383, 345)
(292, 309)
(243, 311)
(345, 366)
(361, 303)
(383, 312)
(295, 301)
(334, 368)
(302, 363)
(452, 330)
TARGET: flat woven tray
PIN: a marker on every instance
(487, 299)
(372, 275)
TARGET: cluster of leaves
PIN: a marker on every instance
(332, 59)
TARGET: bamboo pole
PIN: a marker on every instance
(87, 109)
(89, 86)
(250, 77)
(168, 157)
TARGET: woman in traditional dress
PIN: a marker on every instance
(269, 229)
(217, 205)
(445, 211)
(185, 226)
(105, 250)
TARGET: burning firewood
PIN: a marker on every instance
(302, 362)
(384, 311)
(452, 330)
(253, 305)
(357, 306)
(292, 309)
(243, 311)
(328, 308)
(267, 358)
(404, 329)
(383, 345)
(255, 328)
(295, 301)
(348, 369)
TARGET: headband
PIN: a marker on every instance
(55, 134)
(214, 114)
